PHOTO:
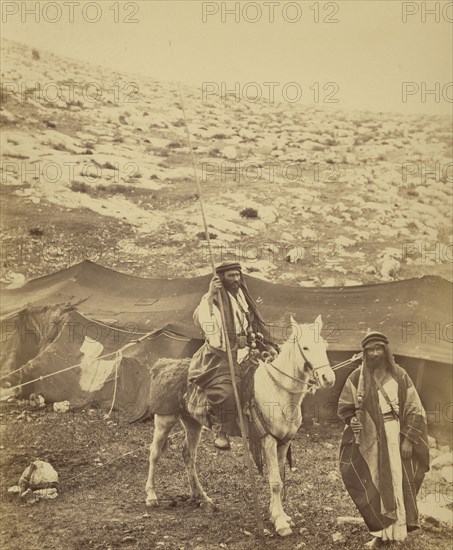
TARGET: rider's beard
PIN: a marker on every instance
(233, 287)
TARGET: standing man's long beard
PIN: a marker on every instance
(375, 362)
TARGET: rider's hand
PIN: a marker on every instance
(355, 425)
(406, 448)
(214, 286)
(272, 351)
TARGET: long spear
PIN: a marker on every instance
(259, 520)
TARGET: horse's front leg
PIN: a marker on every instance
(162, 427)
(278, 517)
(282, 451)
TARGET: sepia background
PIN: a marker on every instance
(322, 139)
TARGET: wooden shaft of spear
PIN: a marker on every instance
(259, 520)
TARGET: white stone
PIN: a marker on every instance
(229, 152)
(46, 494)
(337, 537)
(447, 473)
(390, 267)
(38, 474)
(61, 406)
(442, 460)
(295, 255)
(268, 214)
(345, 241)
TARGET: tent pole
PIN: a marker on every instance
(420, 373)
(259, 519)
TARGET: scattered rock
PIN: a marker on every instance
(445, 459)
(337, 537)
(390, 268)
(36, 401)
(447, 473)
(349, 519)
(295, 255)
(61, 406)
(229, 152)
(38, 475)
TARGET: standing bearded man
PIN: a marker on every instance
(384, 451)
(209, 368)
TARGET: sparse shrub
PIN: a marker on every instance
(109, 166)
(249, 213)
(36, 231)
(35, 54)
(174, 145)
(79, 187)
(60, 147)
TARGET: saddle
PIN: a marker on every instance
(198, 406)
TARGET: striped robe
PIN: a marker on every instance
(365, 467)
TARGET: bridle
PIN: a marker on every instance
(312, 382)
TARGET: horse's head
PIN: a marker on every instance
(307, 352)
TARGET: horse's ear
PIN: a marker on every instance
(292, 320)
(318, 323)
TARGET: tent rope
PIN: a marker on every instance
(129, 344)
(119, 356)
(145, 336)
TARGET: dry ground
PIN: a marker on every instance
(102, 504)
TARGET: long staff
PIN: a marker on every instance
(259, 520)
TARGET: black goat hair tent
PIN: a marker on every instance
(87, 315)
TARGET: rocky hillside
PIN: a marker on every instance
(96, 165)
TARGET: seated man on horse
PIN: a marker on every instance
(209, 368)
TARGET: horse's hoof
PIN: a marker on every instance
(284, 531)
(152, 502)
(207, 503)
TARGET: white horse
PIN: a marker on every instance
(301, 366)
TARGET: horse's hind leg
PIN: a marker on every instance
(189, 453)
(162, 427)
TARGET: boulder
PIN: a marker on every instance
(38, 475)
(442, 460)
(447, 473)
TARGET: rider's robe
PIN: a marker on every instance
(209, 368)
